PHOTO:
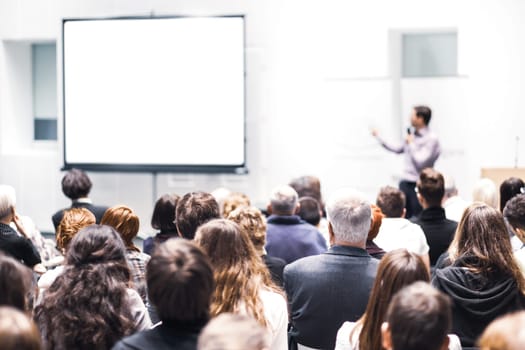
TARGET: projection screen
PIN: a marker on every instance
(154, 94)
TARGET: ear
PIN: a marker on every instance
(421, 200)
(404, 214)
(386, 336)
(331, 235)
(297, 208)
(269, 209)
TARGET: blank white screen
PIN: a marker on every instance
(154, 91)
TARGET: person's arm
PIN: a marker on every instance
(388, 146)
(424, 155)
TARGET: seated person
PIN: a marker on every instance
(163, 219)
(505, 333)
(17, 331)
(193, 210)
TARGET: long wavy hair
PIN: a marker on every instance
(482, 241)
(86, 307)
(397, 269)
(239, 271)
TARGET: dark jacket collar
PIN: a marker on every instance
(285, 219)
(347, 250)
(433, 213)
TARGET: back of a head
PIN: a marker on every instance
(163, 217)
(514, 212)
(76, 184)
(233, 332)
(419, 317)
(485, 191)
(251, 221)
(450, 186)
(7, 200)
(431, 186)
(180, 282)
(193, 210)
(233, 201)
(508, 189)
(17, 331)
(15, 282)
(310, 210)
(308, 186)
(423, 112)
(124, 220)
(283, 200)
(96, 244)
(391, 201)
(349, 214)
(505, 333)
(73, 221)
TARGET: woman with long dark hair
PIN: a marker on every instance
(163, 219)
(89, 306)
(242, 282)
(483, 279)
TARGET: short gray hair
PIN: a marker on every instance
(350, 215)
(284, 199)
(7, 200)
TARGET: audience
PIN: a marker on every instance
(397, 269)
(480, 275)
(438, 230)
(17, 331)
(243, 283)
(252, 221)
(453, 204)
(193, 210)
(76, 185)
(233, 332)
(508, 189)
(288, 237)
(310, 210)
(326, 290)
(418, 318)
(15, 283)
(505, 333)
(73, 221)
(514, 214)
(89, 306)
(163, 219)
(19, 247)
(395, 231)
(180, 286)
(308, 186)
(234, 201)
(127, 224)
(485, 191)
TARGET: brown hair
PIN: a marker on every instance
(15, 283)
(419, 317)
(391, 201)
(73, 221)
(76, 184)
(193, 210)
(180, 281)
(308, 186)
(397, 269)
(482, 234)
(431, 186)
(234, 201)
(505, 333)
(17, 331)
(251, 221)
(233, 332)
(163, 217)
(310, 210)
(125, 221)
(514, 211)
(423, 112)
(239, 272)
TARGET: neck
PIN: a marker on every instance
(6, 221)
(361, 245)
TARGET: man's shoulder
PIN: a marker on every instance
(157, 339)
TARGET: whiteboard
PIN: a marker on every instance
(154, 93)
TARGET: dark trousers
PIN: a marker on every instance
(412, 205)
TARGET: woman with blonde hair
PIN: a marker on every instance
(243, 283)
(483, 279)
(126, 222)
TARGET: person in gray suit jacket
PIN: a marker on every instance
(328, 289)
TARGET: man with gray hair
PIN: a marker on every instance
(288, 237)
(328, 289)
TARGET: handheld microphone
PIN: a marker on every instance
(409, 131)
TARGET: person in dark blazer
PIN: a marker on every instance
(438, 230)
(76, 186)
(328, 289)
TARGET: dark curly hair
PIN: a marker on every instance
(86, 307)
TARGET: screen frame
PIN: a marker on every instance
(153, 168)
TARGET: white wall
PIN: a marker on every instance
(319, 75)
